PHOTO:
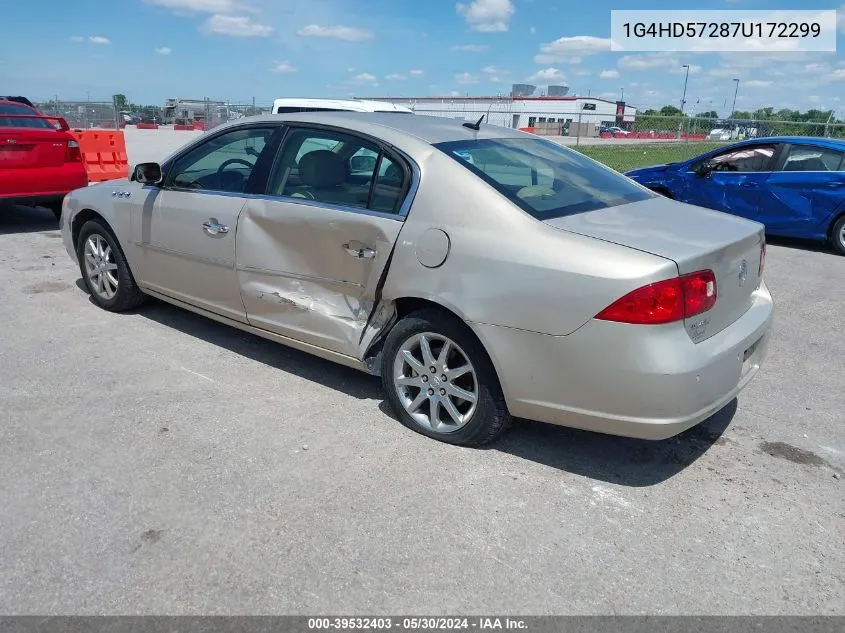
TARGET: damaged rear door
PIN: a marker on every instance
(311, 253)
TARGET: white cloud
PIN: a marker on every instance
(532, 30)
(202, 6)
(565, 48)
(547, 76)
(609, 74)
(364, 79)
(466, 78)
(486, 15)
(235, 26)
(470, 48)
(652, 61)
(454, 93)
(492, 70)
(337, 32)
(396, 77)
(77, 38)
(283, 67)
(723, 72)
(837, 75)
(164, 50)
(99, 39)
(756, 83)
(416, 72)
(817, 68)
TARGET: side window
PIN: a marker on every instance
(338, 168)
(504, 170)
(808, 158)
(389, 188)
(751, 158)
(223, 163)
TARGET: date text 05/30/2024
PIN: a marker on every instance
(415, 623)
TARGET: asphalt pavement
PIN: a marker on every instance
(158, 462)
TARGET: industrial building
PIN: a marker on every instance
(551, 112)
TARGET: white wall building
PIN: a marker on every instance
(522, 112)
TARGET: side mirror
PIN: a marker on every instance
(704, 170)
(147, 173)
(362, 163)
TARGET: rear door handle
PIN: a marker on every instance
(213, 227)
(835, 185)
(749, 185)
(359, 252)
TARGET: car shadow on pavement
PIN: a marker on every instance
(17, 219)
(801, 244)
(618, 460)
(329, 374)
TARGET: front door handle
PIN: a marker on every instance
(360, 252)
(750, 185)
(213, 227)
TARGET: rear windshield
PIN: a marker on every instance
(544, 178)
(13, 108)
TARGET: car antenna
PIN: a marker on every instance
(474, 126)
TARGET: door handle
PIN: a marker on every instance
(835, 185)
(363, 252)
(749, 185)
(213, 227)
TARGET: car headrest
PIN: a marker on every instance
(806, 164)
(321, 168)
(393, 172)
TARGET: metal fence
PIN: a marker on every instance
(83, 114)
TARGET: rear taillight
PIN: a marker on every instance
(762, 259)
(665, 301)
(72, 153)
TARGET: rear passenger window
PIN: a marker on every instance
(338, 169)
(807, 158)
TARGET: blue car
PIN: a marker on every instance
(795, 186)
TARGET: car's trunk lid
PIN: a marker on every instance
(28, 147)
(695, 239)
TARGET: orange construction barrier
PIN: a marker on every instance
(104, 154)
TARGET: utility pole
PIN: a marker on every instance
(623, 95)
(733, 107)
(684, 97)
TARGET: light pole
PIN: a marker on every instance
(733, 107)
(623, 95)
(684, 97)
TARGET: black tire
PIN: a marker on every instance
(491, 418)
(837, 237)
(128, 296)
(56, 208)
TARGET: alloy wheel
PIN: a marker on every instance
(436, 382)
(100, 266)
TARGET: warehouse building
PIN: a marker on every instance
(552, 112)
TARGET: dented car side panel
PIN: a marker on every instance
(301, 272)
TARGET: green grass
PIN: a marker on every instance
(625, 157)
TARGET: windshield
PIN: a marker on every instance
(544, 178)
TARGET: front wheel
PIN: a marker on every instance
(440, 381)
(837, 235)
(104, 269)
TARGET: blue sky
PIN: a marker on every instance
(240, 49)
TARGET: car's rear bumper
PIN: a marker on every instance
(23, 186)
(650, 382)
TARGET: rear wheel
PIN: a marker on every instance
(104, 269)
(837, 235)
(440, 382)
(56, 208)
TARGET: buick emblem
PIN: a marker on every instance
(743, 272)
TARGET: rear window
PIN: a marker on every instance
(13, 108)
(544, 178)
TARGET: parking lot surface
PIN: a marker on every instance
(158, 462)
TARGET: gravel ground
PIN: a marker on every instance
(158, 462)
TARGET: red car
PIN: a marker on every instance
(40, 160)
